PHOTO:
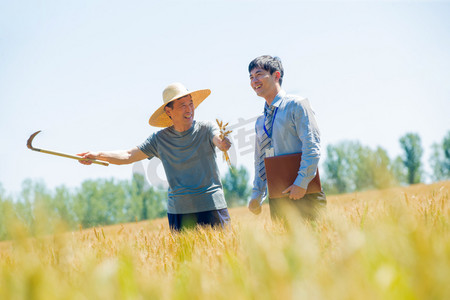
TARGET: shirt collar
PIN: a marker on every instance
(277, 100)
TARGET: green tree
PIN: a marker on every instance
(135, 207)
(446, 150)
(24, 204)
(440, 159)
(155, 202)
(399, 170)
(63, 203)
(7, 214)
(411, 145)
(235, 186)
(340, 167)
(373, 169)
(146, 202)
(36, 209)
(100, 202)
(349, 166)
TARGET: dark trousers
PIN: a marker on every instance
(212, 218)
(309, 207)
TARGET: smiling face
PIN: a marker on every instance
(182, 113)
(265, 85)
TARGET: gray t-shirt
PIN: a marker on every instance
(189, 159)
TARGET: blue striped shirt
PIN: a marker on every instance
(294, 130)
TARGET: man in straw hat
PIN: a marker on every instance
(187, 151)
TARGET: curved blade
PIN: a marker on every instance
(30, 146)
(30, 140)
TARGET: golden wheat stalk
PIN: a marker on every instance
(223, 133)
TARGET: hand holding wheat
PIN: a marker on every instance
(223, 134)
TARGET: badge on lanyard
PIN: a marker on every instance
(270, 152)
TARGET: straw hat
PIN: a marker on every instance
(173, 92)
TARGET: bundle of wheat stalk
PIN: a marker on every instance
(224, 133)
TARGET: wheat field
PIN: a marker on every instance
(390, 244)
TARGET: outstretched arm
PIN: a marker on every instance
(117, 157)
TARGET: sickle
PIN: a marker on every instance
(30, 146)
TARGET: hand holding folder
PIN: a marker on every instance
(281, 172)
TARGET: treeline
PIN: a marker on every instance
(95, 202)
(37, 210)
(350, 166)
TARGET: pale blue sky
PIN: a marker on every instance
(90, 73)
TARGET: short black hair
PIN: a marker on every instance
(268, 63)
(170, 104)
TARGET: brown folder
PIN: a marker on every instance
(281, 172)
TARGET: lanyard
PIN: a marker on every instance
(273, 120)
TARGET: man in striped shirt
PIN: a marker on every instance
(287, 126)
